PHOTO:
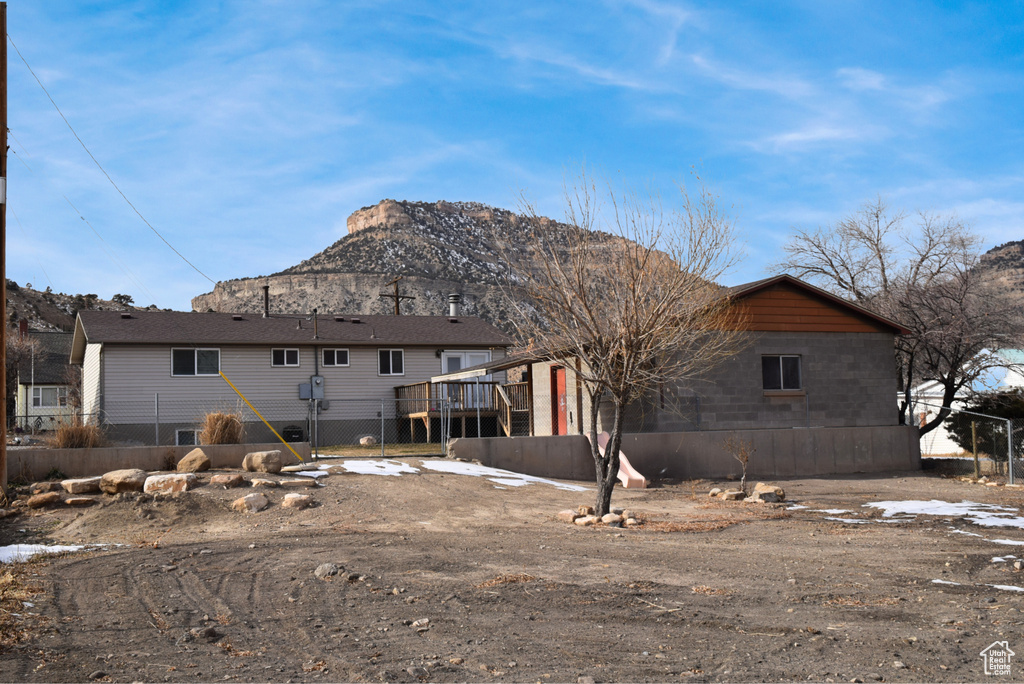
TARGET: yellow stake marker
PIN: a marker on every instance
(261, 417)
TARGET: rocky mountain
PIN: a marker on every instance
(1005, 266)
(50, 311)
(437, 248)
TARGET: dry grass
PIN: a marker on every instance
(77, 435)
(850, 602)
(507, 579)
(16, 621)
(222, 428)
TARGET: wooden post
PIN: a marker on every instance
(3, 249)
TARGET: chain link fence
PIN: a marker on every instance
(970, 444)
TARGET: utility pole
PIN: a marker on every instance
(3, 249)
(397, 297)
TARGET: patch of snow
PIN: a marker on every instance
(505, 477)
(986, 515)
(945, 582)
(394, 468)
(1006, 542)
(1005, 587)
(848, 520)
(312, 473)
(833, 511)
(1003, 559)
(969, 534)
(17, 553)
(795, 507)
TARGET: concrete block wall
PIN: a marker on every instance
(848, 380)
(34, 464)
(691, 455)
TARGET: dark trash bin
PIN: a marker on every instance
(292, 433)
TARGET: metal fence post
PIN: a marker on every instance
(382, 428)
(1009, 450)
(156, 412)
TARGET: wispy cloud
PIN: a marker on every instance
(790, 87)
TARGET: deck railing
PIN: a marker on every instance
(426, 397)
(513, 407)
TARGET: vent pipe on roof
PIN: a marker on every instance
(266, 301)
(453, 304)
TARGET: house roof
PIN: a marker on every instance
(49, 362)
(748, 289)
(198, 329)
(736, 292)
(484, 369)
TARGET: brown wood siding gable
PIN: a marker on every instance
(783, 308)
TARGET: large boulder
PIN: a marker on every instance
(296, 500)
(250, 503)
(194, 461)
(262, 462)
(127, 480)
(82, 485)
(43, 487)
(227, 480)
(170, 484)
(44, 499)
(768, 493)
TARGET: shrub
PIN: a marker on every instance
(222, 428)
(77, 435)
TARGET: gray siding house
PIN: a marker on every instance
(151, 375)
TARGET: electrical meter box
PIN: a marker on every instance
(316, 387)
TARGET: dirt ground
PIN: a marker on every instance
(188, 590)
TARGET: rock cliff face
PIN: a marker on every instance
(1004, 265)
(438, 248)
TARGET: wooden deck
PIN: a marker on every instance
(462, 401)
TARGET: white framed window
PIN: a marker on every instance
(781, 372)
(284, 357)
(334, 357)
(185, 362)
(186, 437)
(390, 362)
(49, 397)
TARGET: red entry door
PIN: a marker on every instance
(559, 424)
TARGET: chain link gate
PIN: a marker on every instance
(974, 444)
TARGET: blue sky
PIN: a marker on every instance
(246, 132)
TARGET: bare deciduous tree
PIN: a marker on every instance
(923, 277)
(628, 289)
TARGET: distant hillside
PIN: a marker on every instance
(52, 311)
(438, 248)
(1004, 264)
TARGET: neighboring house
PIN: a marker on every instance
(44, 382)
(811, 360)
(928, 398)
(140, 364)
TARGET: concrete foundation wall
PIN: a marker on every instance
(691, 455)
(34, 464)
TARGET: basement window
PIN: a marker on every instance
(284, 357)
(185, 438)
(780, 372)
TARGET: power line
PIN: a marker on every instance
(100, 166)
(104, 245)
